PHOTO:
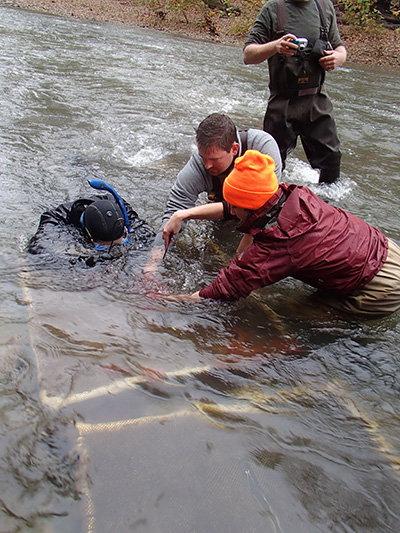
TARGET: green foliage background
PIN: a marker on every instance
(368, 14)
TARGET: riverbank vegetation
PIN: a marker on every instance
(363, 14)
(370, 29)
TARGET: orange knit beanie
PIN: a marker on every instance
(252, 182)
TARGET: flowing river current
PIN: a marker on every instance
(120, 411)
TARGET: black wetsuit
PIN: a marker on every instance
(60, 234)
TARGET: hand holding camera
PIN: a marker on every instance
(301, 43)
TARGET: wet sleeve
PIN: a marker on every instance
(132, 215)
(45, 232)
(56, 216)
(227, 215)
(258, 266)
(141, 234)
(237, 280)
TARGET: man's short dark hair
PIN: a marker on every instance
(216, 131)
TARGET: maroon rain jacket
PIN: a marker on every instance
(309, 240)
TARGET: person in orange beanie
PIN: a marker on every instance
(252, 181)
(354, 266)
(220, 210)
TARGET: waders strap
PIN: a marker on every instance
(243, 140)
(308, 92)
(280, 16)
(322, 17)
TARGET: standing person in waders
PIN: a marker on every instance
(301, 41)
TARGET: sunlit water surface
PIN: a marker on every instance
(122, 412)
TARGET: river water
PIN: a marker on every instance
(122, 412)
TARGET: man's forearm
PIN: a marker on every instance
(212, 211)
(254, 54)
(152, 264)
(201, 212)
(343, 54)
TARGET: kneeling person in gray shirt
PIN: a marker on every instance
(219, 143)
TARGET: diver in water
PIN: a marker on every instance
(92, 229)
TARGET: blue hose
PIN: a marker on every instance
(102, 185)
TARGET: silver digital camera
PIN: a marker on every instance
(301, 42)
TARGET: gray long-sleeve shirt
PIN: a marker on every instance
(194, 179)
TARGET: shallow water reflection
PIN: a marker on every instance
(120, 411)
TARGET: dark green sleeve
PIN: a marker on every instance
(334, 36)
(263, 30)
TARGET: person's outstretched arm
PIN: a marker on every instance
(212, 211)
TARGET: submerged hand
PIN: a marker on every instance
(185, 298)
(171, 228)
(151, 266)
